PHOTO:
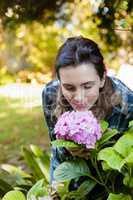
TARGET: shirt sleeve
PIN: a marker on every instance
(58, 155)
(47, 109)
(122, 114)
(130, 106)
(46, 103)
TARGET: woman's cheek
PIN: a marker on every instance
(67, 95)
(92, 97)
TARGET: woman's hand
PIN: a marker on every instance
(53, 193)
(81, 152)
(55, 196)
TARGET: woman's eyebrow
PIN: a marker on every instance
(88, 82)
(67, 84)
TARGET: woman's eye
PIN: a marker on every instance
(87, 87)
(70, 89)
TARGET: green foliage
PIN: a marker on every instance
(38, 162)
(43, 161)
(14, 195)
(31, 35)
(12, 177)
(82, 191)
(108, 134)
(6, 77)
(114, 15)
(38, 190)
(4, 186)
(119, 197)
(76, 169)
(128, 181)
(113, 159)
(63, 143)
(104, 125)
(14, 12)
(106, 165)
(15, 170)
(124, 145)
(30, 40)
(15, 178)
(120, 154)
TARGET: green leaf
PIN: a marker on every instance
(15, 170)
(8, 181)
(108, 134)
(129, 159)
(4, 186)
(37, 190)
(131, 123)
(113, 159)
(38, 152)
(63, 188)
(86, 187)
(105, 166)
(14, 195)
(82, 191)
(124, 145)
(32, 163)
(130, 128)
(128, 181)
(44, 169)
(104, 125)
(43, 161)
(71, 169)
(119, 197)
(64, 143)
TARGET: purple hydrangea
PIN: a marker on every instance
(80, 127)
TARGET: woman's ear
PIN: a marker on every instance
(102, 81)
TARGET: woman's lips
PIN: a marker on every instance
(79, 105)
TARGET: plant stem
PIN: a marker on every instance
(93, 178)
(94, 163)
(107, 176)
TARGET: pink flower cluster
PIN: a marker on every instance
(80, 127)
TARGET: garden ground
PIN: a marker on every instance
(21, 121)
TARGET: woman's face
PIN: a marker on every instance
(80, 86)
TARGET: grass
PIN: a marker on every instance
(20, 126)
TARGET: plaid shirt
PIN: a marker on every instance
(119, 118)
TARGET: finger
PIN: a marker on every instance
(55, 196)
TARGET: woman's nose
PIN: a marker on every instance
(79, 96)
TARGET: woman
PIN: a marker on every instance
(82, 84)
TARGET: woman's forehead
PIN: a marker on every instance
(78, 75)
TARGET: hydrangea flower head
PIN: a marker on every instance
(80, 127)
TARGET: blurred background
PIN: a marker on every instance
(30, 33)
